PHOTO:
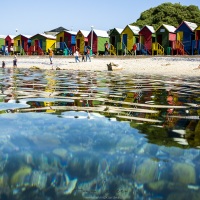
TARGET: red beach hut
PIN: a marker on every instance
(9, 41)
(146, 38)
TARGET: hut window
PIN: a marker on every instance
(162, 30)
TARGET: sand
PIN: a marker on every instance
(188, 66)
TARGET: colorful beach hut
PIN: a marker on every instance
(9, 41)
(2, 44)
(22, 44)
(196, 44)
(186, 35)
(65, 42)
(82, 40)
(98, 39)
(40, 44)
(130, 36)
(115, 39)
(146, 38)
(165, 35)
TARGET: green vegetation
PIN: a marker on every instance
(168, 13)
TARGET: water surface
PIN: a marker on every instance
(98, 135)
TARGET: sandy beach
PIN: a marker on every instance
(188, 66)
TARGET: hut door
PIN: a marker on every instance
(180, 36)
(40, 44)
(18, 43)
(142, 39)
(36, 43)
(159, 39)
(78, 43)
(61, 39)
(23, 44)
(113, 40)
(66, 41)
(124, 41)
(197, 35)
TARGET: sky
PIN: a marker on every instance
(32, 17)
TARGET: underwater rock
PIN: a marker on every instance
(61, 152)
(19, 175)
(146, 171)
(127, 143)
(183, 173)
(3, 180)
(83, 166)
(184, 195)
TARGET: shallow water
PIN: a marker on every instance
(98, 135)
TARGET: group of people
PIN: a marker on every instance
(85, 55)
(14, 62)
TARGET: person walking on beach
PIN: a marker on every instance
(15, 61)
(134, 49)
(106, 48)
(76, 55)
(51, 56)
(6, 50)
(3, 64)
(88, 55)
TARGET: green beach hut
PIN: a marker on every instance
(115, 39)
(165, 36)
(98, 38)
(40, 43)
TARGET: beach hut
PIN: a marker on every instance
(98, 39)
(185, 35)
(22, 44)
(2, 44)
(146, 38)
(65, 42)
(9, 41)
(196, 44)
(40, 43)
(115, 39)
(165, 35)
(82, 40)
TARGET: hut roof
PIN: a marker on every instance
(135, 29)
(45, 35)
(191, 25)
(85, 33)
(100, 33)
(27, 36)
(59, 29)
(71, 32)
(170, 28)
(119, 30)
(151, 28)
(11, 36)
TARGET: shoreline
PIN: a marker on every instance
(179, 66)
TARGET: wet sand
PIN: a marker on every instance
(188, 66)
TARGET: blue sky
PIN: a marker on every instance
(42, 15)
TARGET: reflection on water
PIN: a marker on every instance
(98, 135)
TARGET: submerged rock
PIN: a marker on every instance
(183, 173)
(146, 171)
(60, 152)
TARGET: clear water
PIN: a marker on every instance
(98, 135)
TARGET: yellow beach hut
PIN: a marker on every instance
(82, 40)
(129, 36)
